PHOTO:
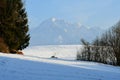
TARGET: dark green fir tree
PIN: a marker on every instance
(14, 25)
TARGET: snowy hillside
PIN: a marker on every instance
(56, 31)
(42, 67)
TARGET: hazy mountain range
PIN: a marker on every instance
(59, 32)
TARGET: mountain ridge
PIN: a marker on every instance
(55, 31)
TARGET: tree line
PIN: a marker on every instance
(104, 49)
(14, 29)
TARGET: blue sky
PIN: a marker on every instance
(91, 13)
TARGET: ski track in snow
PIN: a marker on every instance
(32, 67)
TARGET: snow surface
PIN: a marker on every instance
(37, 66)
(60, 51)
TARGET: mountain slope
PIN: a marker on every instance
(29, 67)
(55, 31)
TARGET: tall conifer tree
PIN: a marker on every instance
(22, 26)
(14, 25)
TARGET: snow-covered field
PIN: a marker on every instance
(60, 51)
(36, 64)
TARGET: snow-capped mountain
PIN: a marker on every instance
(56, 31)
